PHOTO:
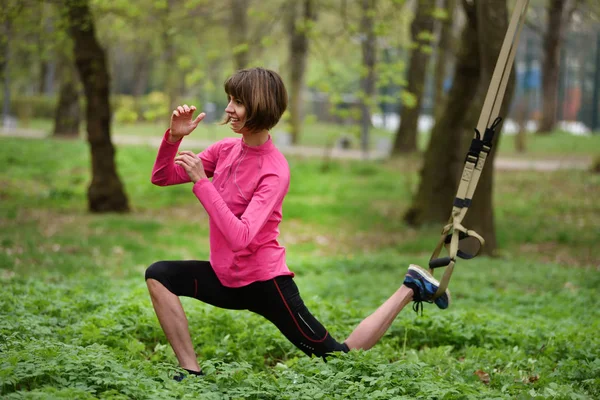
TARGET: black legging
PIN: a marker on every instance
(278, 300)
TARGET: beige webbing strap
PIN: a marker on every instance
(503, 65)
(474, 164)
(496, 91)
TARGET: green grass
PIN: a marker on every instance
(76, 320)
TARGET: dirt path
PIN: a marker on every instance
(503, 163)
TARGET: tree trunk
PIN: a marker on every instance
(142, 71)
(444, 51)
(523, 107)
(142, 67)
(421, 30)
(239, 33)
(367, 82)
(298, 56)
(4, 70)
(105, 193)
(67, 116)
(43, 71)
(492, 27)
(46, 71)
(522, 117)
(440, 173)
(171, 71)
(550, 65)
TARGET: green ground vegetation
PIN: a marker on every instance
(76, 320)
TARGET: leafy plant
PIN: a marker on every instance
(76, 320)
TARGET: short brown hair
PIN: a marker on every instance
(262, 93)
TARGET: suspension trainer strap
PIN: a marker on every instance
(493, 103)
(480, 147)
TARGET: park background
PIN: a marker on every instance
(88, 89)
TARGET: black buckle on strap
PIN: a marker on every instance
(462, 203)
(475, 148)
(489, 132)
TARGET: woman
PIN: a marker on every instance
(247, 268)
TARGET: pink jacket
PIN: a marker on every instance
(243, 203)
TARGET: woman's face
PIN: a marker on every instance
(237, 115)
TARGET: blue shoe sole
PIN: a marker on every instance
(429, 278)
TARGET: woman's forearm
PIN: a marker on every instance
(165, 172)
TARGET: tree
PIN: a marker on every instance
(105, 193)
(171, 77)
(47, 65)
(68, 113)
(523, 107)
(493, 24)
(142, 65)
(439, 175)
(239, 32)
(481, 41)
(445, 49)
(421, 34)
(299, 28)
(367, 81)
(67, 116)
(28, 30)
(559, 13)
(4, 68)
(8, 11)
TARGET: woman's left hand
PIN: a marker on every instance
(192, 165)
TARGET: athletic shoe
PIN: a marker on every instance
(424, 286)
(185, 373)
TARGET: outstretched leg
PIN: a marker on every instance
(279, 301)
(419, 286)
(174, 323)
(372, 328)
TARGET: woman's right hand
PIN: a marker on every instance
(182, 123)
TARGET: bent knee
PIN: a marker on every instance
(156, 271)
